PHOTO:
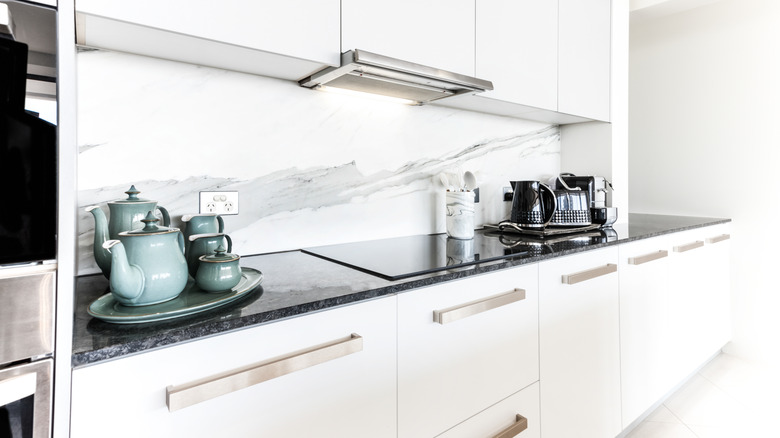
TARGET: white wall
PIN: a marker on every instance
(704, 104)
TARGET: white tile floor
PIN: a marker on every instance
(729, 397)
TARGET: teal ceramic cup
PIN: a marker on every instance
(218, 272)
(204, 223)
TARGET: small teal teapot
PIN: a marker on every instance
(147, 265)
(204, 244)
(218, 272)
(124, 215)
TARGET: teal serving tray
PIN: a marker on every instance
(192, 300)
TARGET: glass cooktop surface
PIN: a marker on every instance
(403, 257)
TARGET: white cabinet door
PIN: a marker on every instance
(353, 395)
(517, 414)
(584, 48)
(717, 242)
(436, 33)
(645, 336)
(230, 33)
(449, 372)
(579, 345)
(517, 49)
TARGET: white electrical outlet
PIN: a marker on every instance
(223, 203)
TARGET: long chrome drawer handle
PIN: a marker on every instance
(188, 394)
(589, 274)
(471, 308)
(648, 257)
(688, 246)
(716, 239)
(521, 424)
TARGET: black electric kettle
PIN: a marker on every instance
(533, 204)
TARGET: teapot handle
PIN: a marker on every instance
(230, 243)
(166, 218)
(550, 204)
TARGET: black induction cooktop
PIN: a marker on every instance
(403, 257)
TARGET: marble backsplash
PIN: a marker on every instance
(311, 168)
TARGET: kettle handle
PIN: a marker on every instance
(166, 218)
(549, 204)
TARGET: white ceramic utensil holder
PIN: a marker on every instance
(460, 214)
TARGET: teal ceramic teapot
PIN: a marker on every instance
(204, 244)
(124, 215)
(219, 271)
(147, 265)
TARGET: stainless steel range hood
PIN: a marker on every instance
(371, 73)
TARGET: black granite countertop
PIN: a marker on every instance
(296, 283)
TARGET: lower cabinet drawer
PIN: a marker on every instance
(330, 373)
(517, 416)
(463, 346)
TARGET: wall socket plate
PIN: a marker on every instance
(223, 203)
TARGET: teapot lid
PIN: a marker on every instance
(150, 227)
(220, 256)
(132, 197)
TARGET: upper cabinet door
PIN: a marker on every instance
(203, 32)
(517, 49)
(436, 33)
(584, 49)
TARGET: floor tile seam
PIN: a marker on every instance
(748, 409)
(679, 419)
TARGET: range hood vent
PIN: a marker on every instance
(371, 73)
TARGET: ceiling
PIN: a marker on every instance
(642, 10)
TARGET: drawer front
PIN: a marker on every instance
(346, 386)
(515, 416)
(449, 371)
(579, 345)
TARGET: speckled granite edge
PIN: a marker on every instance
(176, 335)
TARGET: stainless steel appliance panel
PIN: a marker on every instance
(27, 312)
(26, 392)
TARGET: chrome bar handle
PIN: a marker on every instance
(716, 239)
(648, 257)
(521, 424)
(688, 246)
(188, 394)
(471, 308)
(589, 274)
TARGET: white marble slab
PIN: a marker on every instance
(311, 168)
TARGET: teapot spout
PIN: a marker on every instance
(127, 281)
(102, 255)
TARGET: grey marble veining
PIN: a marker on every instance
(296, 283)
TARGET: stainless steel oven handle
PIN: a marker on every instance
(188, 394)
(589, 274)
(688, 246)
(648, 257)
(716, 239)
(17, 388)
(521, 424)
(471, 308)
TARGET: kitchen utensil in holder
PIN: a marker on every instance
(460, 214)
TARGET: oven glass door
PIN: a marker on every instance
(25, 400)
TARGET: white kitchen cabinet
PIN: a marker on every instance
(700, 285)
(289, 39)
(438, 33)
(646, 358)
(517, 49)
(450, 371)
(518, 414)
(579, 345)
(584, 49)
(351, 395)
